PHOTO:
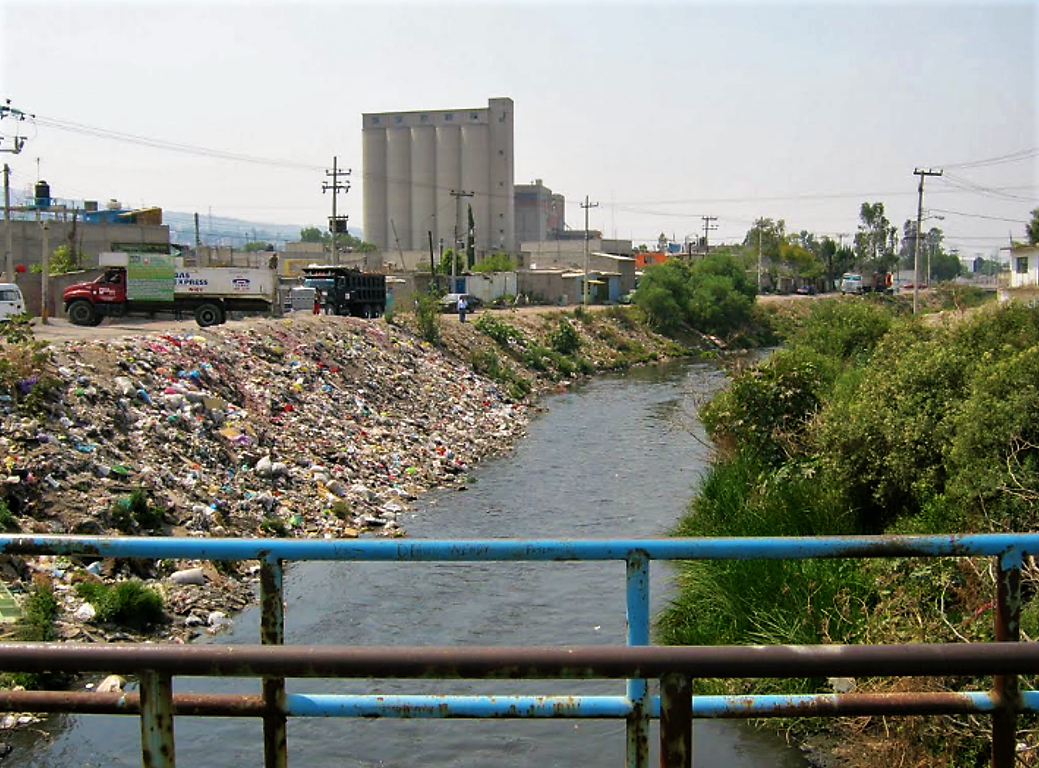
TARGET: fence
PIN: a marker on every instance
(637, 662)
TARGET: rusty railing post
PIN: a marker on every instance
(272, 632)
(676, 721)
(157, 749)
(1008, 629)
(637, 595)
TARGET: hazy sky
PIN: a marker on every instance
(661, 112)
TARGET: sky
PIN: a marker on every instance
(662, 113)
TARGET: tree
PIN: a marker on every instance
(470, 241)
(495, 262)
(1033, 228)
(64, 259)
(312, 235)
(766, 234)
(257, 245)
(872, 248)
(444, 267)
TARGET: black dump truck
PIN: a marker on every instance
(348, 291)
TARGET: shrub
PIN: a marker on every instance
(427, 317)
(128, 603)
(564, 338)
(135, 512)
(501, 332)
(7, 520)
(487, 363)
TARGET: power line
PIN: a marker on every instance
(1012, 157)
(978, 216)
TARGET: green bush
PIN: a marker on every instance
(501, 332)
(427, 317)
(487, 363)
(135, 512)
(7, 519)
(128, 603)
(564, 338)
(844, 330)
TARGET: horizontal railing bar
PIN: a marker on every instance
(505, 707)
(422, 706)
(526, 662)
(97, 703)
(538, 550)
(844, 705)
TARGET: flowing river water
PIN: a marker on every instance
(617, 457)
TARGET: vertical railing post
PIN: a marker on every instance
(157, 750)
(676, 721)
(272, 632)
(637, 595)
(1008, 629)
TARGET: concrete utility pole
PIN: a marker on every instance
(919, 223)
(457, 194)
(584, 286)
(337, 223)
(759, 259)
(708, 227)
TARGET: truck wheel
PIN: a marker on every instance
(208, 314)
(81, 312)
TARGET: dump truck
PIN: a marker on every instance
(149, 283)
(347, 291)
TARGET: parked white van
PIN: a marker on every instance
(851, 283)
(11, 300)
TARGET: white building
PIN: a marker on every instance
(1024, 274)
(414, 161)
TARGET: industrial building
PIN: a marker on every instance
(414, 161)
(540, 214)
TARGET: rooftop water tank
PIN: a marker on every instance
(113, 205)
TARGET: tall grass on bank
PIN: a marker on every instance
(758, 602)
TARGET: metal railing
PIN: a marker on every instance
(637, 662)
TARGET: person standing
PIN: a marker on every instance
(463, 305)
(317, 302)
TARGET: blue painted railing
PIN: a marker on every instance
(674, 667)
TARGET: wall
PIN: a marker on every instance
(91, 239)
(548, 286)
(31, 284)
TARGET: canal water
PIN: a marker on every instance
(617, 457)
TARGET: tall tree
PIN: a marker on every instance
(872, 241)
(1033, 228)
(767, 234)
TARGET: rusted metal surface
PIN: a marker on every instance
(92, 703)
(527, 662)
(157, 748)
(272, 633)
(676, 722)
(842, 705)
(638, 616)
(1005, 685)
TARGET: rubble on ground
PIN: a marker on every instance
(311, 427)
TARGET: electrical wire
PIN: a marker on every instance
(1012, 157)
(977, 216)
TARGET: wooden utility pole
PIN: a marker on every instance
(8, 254)
(584, 287)
(708, 227)
(919, 223)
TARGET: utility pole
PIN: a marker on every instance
(584, 285)
(8, 255)
(919, 223)
(457, 194)
(45, 262)
(337, 223)
(708, 227)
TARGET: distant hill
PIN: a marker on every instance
(213, 230)
(219, 230)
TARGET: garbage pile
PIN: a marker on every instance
(310, 427)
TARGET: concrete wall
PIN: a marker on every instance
(544, 286)
(91, 239)
(32, 288)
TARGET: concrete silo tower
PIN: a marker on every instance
(413, 161)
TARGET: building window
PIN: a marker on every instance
(398, 119)
(424, 118)
(376, 121)
(1022, 265)
(448, 117)
(474, 116)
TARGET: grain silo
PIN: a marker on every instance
(413, 161)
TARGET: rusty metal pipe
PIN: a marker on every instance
(526, 662)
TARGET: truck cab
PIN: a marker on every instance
(89, 303)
